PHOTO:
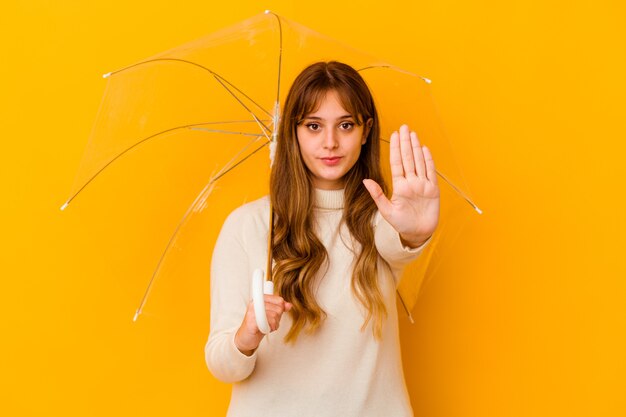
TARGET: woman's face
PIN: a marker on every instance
(330, 142)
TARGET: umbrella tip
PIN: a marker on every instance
(427, 80)
(267, 11)
(478, 210)
(107, 75)
(64, 206)
(136, 316)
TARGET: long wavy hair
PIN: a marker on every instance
(297, 251)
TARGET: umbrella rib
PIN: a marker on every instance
(226, 166)
(232, 121)
(280, 69)
(221, 81)
(262, 125)
(215, 75)
(445, 135)
(280, 54)
(242, 93)
(461, 193)
(226, 132)
(192, 126)
(181, 223)
(454, 187)
(217, 177)
(406, 309)
(391, 67)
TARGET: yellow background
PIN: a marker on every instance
(527, 319)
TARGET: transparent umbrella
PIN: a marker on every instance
(224, 92)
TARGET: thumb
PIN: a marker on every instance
(381, 200)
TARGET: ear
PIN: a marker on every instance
(366, 131)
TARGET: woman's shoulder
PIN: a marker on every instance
(244, 232)
(252, 214)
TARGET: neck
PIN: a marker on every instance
(328, 199)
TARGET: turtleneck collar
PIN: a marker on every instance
(329, 199)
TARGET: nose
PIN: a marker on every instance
(330, 139)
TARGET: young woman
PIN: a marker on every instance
(338, 247)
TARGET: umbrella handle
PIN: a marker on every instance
(259, 288)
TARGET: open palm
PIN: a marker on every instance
(414, 206)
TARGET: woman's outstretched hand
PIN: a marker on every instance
(414, 206)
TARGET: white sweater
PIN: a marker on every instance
(337, 371)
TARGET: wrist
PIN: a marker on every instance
(413, 241)
(242, 346)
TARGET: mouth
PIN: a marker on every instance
(331, 160)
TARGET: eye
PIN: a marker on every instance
(346, 125)
(313, 126)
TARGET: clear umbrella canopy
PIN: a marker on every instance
(224, 92)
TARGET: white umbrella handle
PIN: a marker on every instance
(260, 287)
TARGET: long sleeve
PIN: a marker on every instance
(390, 247)
(235, 256)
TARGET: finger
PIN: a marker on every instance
(274, 299)
(418, 156)
(273, 315)
(395, 160)
(381, 200)
(273, 308)
(250, 319)
(431, 172)
(273, 323)
(273, 319)
(408, 161)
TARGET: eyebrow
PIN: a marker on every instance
(345, 116)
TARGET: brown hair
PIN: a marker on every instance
(296, 250)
